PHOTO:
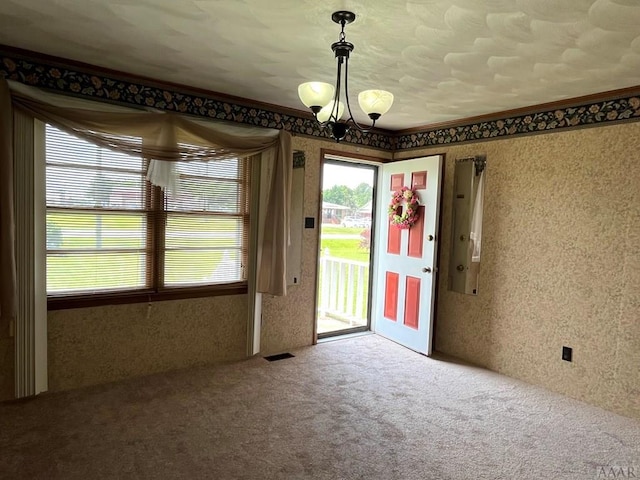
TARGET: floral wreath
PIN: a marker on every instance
(410, 213)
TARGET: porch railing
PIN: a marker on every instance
(344, 286)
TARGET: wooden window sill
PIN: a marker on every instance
(143, 296)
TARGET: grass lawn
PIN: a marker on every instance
(96, 271)
(210, 237)
(348, 248)
(97, 268)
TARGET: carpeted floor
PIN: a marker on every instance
(361, 408)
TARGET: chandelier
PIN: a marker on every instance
(324, 99)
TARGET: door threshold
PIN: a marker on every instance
(344, 337)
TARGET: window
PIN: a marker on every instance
(206, 224)
(110, 233)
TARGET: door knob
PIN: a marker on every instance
(430, 238)
(460, 268)
(426, 269)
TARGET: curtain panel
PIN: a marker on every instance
(160, 137)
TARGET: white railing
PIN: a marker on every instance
(343, 290)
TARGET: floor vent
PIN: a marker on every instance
(280, 356)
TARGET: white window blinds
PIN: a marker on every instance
(96, 217)
(207, 224)
(109, 230)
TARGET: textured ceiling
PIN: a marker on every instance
(442, 59)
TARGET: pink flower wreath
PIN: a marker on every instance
(409, 215)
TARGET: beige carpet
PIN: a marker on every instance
(362, 408)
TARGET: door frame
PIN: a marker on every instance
(353, 159)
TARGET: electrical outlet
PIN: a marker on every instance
(567, 352)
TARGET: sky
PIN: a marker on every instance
(344, 175)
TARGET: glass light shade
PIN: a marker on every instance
(315, 94)
(324, 114)
(375, 101)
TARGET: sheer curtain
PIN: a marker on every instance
(167, 137)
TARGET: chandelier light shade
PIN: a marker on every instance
(375, 102)
(315, 94)
(325, 113)
(325, 100)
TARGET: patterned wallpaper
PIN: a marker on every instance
(89, 346)
(56, 76)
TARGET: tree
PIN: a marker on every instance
(363, 194)
(341, 195)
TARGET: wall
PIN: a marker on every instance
(102, 344)
(95, 345)
(560, 264)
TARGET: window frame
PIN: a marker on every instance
(156, 215)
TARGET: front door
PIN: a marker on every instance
(405, 266)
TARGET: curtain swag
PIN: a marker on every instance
(161, 138)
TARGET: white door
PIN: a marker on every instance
(405, 268)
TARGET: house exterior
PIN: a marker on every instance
(561, 259)
(332, 213)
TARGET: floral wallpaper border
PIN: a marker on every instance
(589, 114)
(72, 81)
